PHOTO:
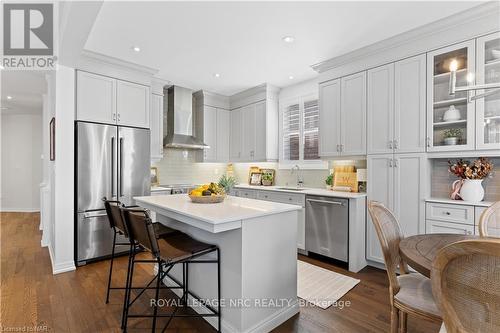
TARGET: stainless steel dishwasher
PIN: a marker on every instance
(327, 226)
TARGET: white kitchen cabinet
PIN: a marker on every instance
(396, 107)
(439, 227)
(380, 184)
(248, 132)
(488, 107)
(380, 110)
(210, 133)
(353, 115)
(254, 125)
(439, 100)
(107, 100)
(156, 126)
(396, 181)
(132, 104)
(409, 105)
(342, 115)
(409, 179)
(223, 128)
(95, 98)
(329, 118)
(261, 132)
(235, 135)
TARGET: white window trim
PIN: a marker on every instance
(303, 164)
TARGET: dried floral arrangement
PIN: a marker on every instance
(478, 169)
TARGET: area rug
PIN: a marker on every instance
(320, 286)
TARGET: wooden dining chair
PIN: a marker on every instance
(489, 223)
(410, 293)
(466, 284)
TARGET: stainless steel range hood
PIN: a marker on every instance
(181, 120)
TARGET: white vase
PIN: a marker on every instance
(452, 114)
(472, 190)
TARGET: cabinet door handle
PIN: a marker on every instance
(395, 163)
(447, 213)
(390, 144)
(428, 142)
(114, 116)
(390, 163)
(338, 149)
(469, 232)
(341, 148)
(396, 144)
(118, 117)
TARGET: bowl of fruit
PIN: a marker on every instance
(211, 193)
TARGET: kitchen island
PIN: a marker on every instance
(257, 241)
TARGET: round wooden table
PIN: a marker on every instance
(420, 250)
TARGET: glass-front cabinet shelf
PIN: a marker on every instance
(488, 107)
(450, 116)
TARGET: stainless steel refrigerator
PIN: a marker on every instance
(112, 162)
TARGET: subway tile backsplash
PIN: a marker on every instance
(441, 180)
(181, 167)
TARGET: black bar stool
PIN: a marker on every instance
(118, 225)
(167, 251)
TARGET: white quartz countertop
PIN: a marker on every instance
(460, 202)
(232, 209)
(305, 190)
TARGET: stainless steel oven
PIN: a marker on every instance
(327, 226)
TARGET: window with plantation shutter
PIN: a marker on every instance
(291, 132)
(300, 133)
(311, 125)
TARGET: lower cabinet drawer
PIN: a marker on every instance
(247, 194)
(289, 198)
(439, 227)
(449, 213)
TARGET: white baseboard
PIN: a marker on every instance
(19, 210)
(44, 243)
(265, 325)
(63, 267)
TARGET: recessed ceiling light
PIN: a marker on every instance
(288, 39)
(9, 97)
(291, 77)
(216, 75)
(136, 48)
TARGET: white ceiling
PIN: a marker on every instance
(26, 89)
(190, 41)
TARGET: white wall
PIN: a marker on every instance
(21, 162)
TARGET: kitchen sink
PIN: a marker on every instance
(291, 188)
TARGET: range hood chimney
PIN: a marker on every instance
(181, 120)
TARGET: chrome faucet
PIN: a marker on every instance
(296, 169)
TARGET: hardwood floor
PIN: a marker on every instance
(31, 296)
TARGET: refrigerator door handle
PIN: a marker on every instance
(93, 215)
(120, 185)
(113, 193)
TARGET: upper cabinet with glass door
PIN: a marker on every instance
(488, 107)
(450, 117)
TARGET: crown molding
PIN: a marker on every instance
(113, 67)
(112, 61)
(478, 20)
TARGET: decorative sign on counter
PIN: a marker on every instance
(346, 176)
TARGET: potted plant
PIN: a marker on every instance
(452, 136)
(227, 182)
(267, 179)
(472, 175)
(329, 182)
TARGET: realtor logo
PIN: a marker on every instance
(29, 36)
(28, 29)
